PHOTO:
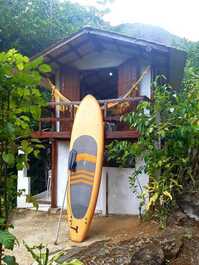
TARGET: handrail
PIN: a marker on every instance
(105, 101)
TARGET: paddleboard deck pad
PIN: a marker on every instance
(85, 165)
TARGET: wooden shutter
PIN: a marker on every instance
(127, 74)
(70, 83)
(70, 88)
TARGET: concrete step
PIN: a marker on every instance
(42, 207)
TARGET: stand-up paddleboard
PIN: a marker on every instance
(85, 165)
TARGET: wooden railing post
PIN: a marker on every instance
(105, 111)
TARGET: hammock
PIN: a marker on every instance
(60, 97)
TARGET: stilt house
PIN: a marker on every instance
(106, 65)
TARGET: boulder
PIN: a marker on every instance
(189, 203)
(178, 217)
(150, 254)
(171, 241)
(189, 254)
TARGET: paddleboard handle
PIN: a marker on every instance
(72, 160)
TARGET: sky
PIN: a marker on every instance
(180, 17)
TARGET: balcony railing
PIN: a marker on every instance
(58, 124)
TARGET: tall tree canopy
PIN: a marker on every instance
(32, 25)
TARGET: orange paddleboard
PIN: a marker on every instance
(85, 164)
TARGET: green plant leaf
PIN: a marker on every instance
(20, 66)
(44, 68)
(168, 194)
(10, 260)
(7, 239)
(9, 158)
(31, 199)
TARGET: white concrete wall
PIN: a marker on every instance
(23, 188)
(121, 199)
(62, 174)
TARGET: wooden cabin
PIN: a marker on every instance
(106, 65)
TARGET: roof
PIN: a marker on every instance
(110, 48)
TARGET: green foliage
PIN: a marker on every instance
(40, 254)
(32, 25)
(31, 199)
(120, 154)
(20, 104)
(192, 66)
(7, 239)
(169, 144)
(10, 260)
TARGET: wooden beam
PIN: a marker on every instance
(96, 43)
(113, 135)
(64, 53)
(55, 119)
(51, 135)
(72, 61)
(54, 60)
(54, 174)
(75, 50)
(109, 135)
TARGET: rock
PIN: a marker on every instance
(189, 203)
(171, 241)
(177, 218)
(150, 254)
(178, 245)
(189, 254)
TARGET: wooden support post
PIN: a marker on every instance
(72, 112)
(54, 174)
(107, 214)
(105, 111)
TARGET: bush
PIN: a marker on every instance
(169, 144)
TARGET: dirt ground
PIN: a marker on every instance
(40, 227)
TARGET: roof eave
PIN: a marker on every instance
(108, 34)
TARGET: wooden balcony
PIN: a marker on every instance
(54, 127)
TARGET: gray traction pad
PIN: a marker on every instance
(81, 192)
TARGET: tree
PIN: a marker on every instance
(32, 25)
(20, 104)
(192, 66)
